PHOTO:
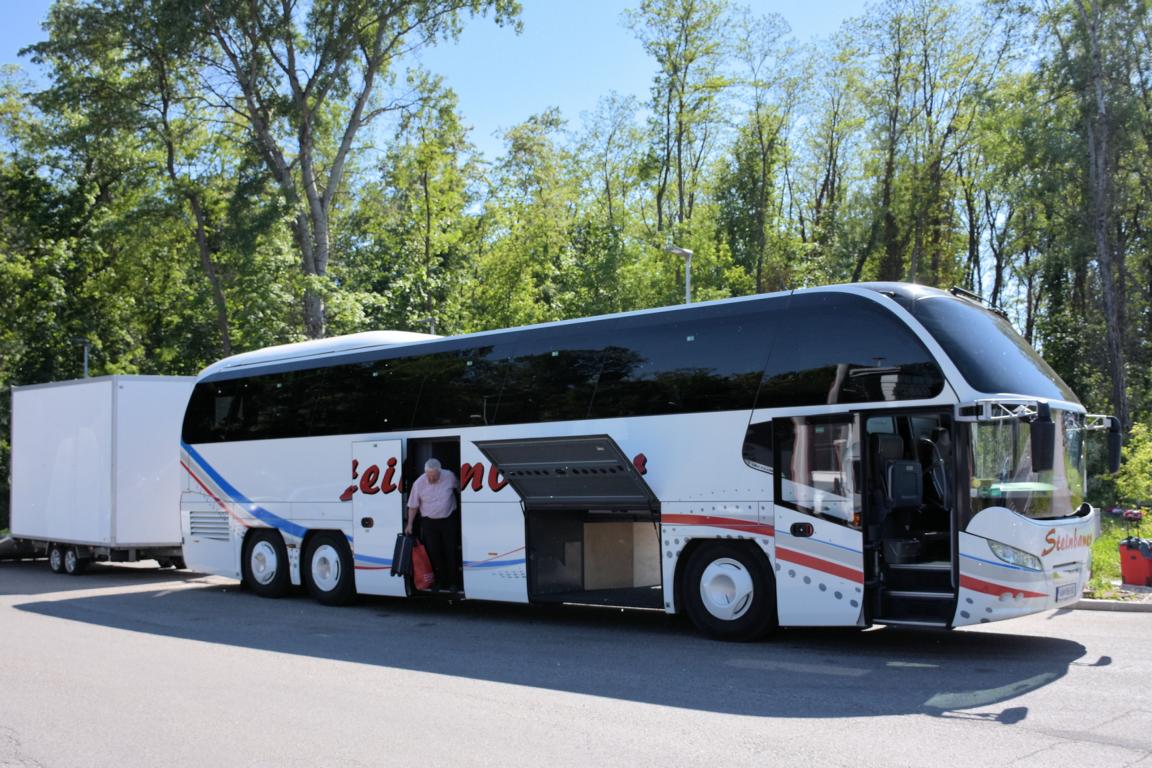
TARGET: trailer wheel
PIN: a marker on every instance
(74, 564)
(328, 570)
(265, 563)
(729, 592)
(55, 558)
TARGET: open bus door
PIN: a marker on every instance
(377, 515)
(819, 536)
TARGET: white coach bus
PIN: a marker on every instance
(846, 455)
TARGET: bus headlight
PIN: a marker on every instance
(1014, 556)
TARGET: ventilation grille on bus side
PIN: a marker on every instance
(208, 524)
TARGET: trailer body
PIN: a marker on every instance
(95, 467)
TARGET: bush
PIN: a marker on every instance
(1134, 480)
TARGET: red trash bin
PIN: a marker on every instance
(1136, 562)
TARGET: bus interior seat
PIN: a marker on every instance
(883, 448)
(899, 500)
(934, 454)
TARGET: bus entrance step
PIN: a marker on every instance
(918, 605)
(909, 623)
(919, 577)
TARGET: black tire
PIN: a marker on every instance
(74, 564)
(329, 573)
(264, 564)
(56, 558)
(728, 592)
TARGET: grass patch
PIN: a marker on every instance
(1106, 553)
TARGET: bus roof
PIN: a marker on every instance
(318, 349)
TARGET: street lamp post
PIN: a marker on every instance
(687, 254)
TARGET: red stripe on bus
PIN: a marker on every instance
(988, 588)
(809, 561)
(734, 523)
(215, 498)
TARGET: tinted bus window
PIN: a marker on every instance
(458, 389)
(706, 361)
(841, 348)
(548, 376)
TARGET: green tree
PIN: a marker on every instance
(304, 80)
(411, 237)
(1134, 480)
(687, 38)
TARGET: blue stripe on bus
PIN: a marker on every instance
(372, 560)
(1000, 564)
(234, 495)
(838, 546)
(494, 563)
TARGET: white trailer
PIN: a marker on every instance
(96, 470)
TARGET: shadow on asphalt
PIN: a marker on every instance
(32, 577)
(632, 655)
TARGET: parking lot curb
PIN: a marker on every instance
(1113, 605)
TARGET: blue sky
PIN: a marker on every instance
(571, 53)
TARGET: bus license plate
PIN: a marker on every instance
(1065, 592)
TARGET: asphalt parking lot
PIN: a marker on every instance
(137, 666)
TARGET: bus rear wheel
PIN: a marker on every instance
(729, 592)
(328, 570)
(265, 563)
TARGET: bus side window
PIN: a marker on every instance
(706, 363)
(550, 377)
(846, 349)
(456, 388)
(758, 446)
(818, 468)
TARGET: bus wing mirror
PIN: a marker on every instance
(1113, 444)
(1043, 434)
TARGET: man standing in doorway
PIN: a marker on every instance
(433, 496)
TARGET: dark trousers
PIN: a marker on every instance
(442, 539)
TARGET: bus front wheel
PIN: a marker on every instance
(728, 592)
(265, 563)
(328, 570)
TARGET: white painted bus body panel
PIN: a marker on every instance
(94, 461)
(492, 540)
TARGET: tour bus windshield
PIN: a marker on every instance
(991, 356)
(1001, 468)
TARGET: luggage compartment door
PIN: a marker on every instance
(584, 472)
(377, 515)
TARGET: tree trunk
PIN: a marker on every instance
(1100, 170)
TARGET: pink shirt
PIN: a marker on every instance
(434, 500)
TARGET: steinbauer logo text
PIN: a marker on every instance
(1065, 541)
